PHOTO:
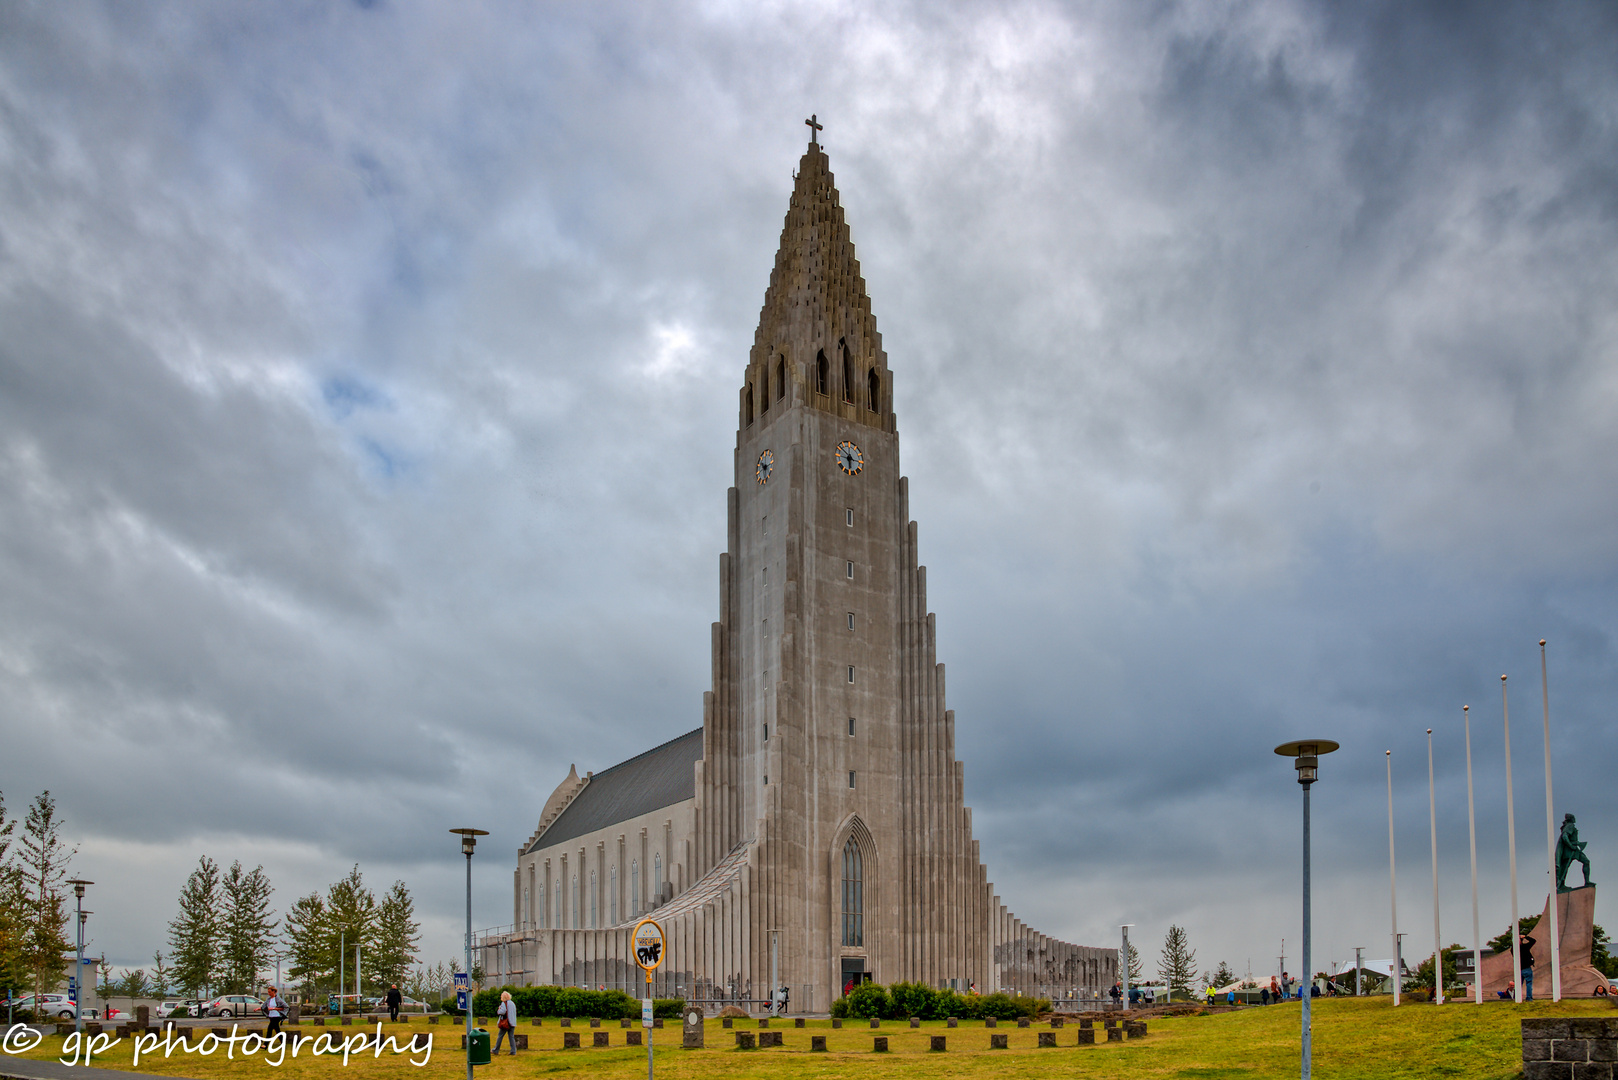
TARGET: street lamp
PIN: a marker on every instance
(78, 975)
(469, 840)
(1306, 759)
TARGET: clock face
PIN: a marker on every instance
(765, 466)
(849, 458)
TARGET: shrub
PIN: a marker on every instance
(666, 1008)
(569, 1001)
(912, 999)
(1001, 1007)
(868, 1001)
(839, 1009)
(948, 1003)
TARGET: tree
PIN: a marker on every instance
(246, 928)
(1135, 968)
(1222, 975)
(13, 964)
(43, 859)
(397, 933)
(1501, 942)
(1178, 967)
(162, 978)
(132, 985)
(308, 928)
(1600, 959)
(1423, 977)
(194, 934)
(322, 931)
(429, 983)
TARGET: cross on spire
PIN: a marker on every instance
(814, 129)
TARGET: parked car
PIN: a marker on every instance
(174, 1008)
(233, 1005)
(57, 1005)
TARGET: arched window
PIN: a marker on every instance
(749, 403)
(634, 888)
(853, 896)
(848, 375)
(875, 382)
(780, 379)
(821, 372)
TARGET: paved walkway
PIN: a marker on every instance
(16, 1068)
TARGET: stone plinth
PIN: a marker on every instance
(745, 1040)
(936, 1043)
(632, 1037)
(1087, 1036)
(817, 1043)
(601, 1038)
(1047, 1038)
(997, 1041)
(570, 1040)
(1575, 915)
(879, 1044)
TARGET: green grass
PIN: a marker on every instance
(1364, 1038)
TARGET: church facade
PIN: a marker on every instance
(813, 831)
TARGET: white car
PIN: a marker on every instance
(57, 1005)
(233, 1005)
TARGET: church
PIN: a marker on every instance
(812, 832)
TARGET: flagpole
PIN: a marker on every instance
(1472, 828)
(1393, 884)
(1511, 844)
(1550, 832)
(1432, 825)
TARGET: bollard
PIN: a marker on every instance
(915, 1022)
(348, 1021)
(770, 1038)
(1057, 1021)
(632, 1037)
(320, 1021)
(875, 1022)
(817, 1043)
(1087, 1036)
(570, 1040)
(602, 1038)
(624, 1023)
(997, 1042)
(953, 1022)
(1115, 1034)
(430, 1020)
(836, 1022)
(879, 1044)
(1136, 1029)
(763, 1022)
(726, 1021)
(519, 1042)
(798, 1022)
(657, 1022)
(143, 1015)
(744, 1040)
(595, 1022)
(1047, 1038)
(937, 1043)
(567, 1021)
(1087, 1023)
(990, 1022)
(1022, 1021)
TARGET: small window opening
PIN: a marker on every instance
(848, 376)
(851, 620)
(749, 403)
(781, 379)
(766, 628)
(766, 779)
(851, 673)
(850, 569)
(875, 383)
(764, 392)
(851, 725)
(820, 372)
(767, 575)
(851, 778)
(766, 733)
(849, 516)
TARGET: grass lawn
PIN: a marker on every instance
(1352, 1039)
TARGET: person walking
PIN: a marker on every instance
(506, 1018)
(275, 1009)
(1527, 968)
(1264, 995)
(395, 999)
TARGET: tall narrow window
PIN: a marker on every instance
(851, 620)
(781, 379)
(593, 897)
(764, 391)
(557, 914)
(634, 888)
(766, 733)
(853, 895)
(577, 925)
(851, 775)
(875, 386)
(749, 403)
(848, 376)
(764, 525)
(820, 372)
(851, 725)
(851, 570)
(612, 885)
(848, 516)
(851, 673)
(657, 874)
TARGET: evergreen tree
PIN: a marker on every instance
(351, 918)
(162, 979)
(1178, 967)
(322, 932)
(246, 928)
(1502, 941)
(13, 965)
(397, 933)
(42, 861)
(1135, 967)
(312, 962)
(194, 935)
(1222, 975)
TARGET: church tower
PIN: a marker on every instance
(820, 836)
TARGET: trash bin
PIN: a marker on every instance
(480, 1046)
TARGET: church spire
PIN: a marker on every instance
(816, 326)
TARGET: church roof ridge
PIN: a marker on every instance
(648, 781)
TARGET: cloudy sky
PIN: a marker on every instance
(367, 397)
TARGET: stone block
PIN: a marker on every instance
(1535, 1049)
(1588, 1027)
(1137, 1029)
(567, 1021)
(1547, 1070)
(1089, 1023)
(223, 1032)
(122, 1031)
(625, 1022)
(143, 1015)
(727, 1020)
(1602, 1050)
(519, 1040)
(879, 1044)
(348, 1021)
(1087, 1036)
(997, 1041)
(1112, 1022)
(837, 1021)
(797, 1022)
(92, 1029)
(434, 1019)
(915, 1021)
(1116, 1034)
(535, 1022)
(570, 1040)
(320, 1021)
(1592, 1070)
(877, 1023)
(1569, 1049)
(769, 1038)
(745, 1040)
(1546, 1029)
(990, 1021)
(595, 1022)
(937, 1043)
(657, 1022)
(817, 1043)
(601, 1038)
(632, 1037)
(764, 1021)
(1022, 1021)
(955, 1022)
(1057, 1021)
(1047, 1038)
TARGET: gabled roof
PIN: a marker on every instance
(662, 776)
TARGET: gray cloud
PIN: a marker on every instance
(367, 400)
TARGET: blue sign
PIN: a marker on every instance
(461, 980)
(72, 987)
(460, 1000)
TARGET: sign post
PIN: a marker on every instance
(647, 941)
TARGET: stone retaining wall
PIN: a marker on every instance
(1582, 1048)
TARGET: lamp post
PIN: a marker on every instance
(1432, 824)
(1511, 845)
(1306, 759)
(1393, 885)
(1472, 828)
(1550, 832)
(1123, 966)
(78, 974)
(469, 840)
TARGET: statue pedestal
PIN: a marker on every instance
(1575, 921)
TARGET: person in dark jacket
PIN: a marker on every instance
(394, 1000)
(1527, 968)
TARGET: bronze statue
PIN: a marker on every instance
(1569, 850)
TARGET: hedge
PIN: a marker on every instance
(903, 1000)
(568, 1001)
